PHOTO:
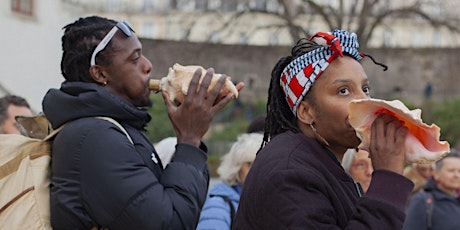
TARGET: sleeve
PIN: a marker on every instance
(416, 212)
(215, 214)
(121, 192)
(310, 202)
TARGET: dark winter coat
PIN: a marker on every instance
(296, 183)
(445, 212)
(99, 178)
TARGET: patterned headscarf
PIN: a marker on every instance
(299, 75)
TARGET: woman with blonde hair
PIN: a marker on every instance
(222, 201)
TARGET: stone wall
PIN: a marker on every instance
(409, 69)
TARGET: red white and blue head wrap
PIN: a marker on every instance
(299, 75)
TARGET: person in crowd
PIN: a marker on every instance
(438, 205)
(257, 125)
(222, 201)
(110, 176)
(419, 174)
(359, 166)
(12, 106)
(296, 180)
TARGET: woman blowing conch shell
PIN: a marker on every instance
(177, 81)
(422, 141)
(297, 181)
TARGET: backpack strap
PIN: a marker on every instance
(232, 208)
(113, 121)
(56, 131)
(429, 209)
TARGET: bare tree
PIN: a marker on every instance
(360, 16)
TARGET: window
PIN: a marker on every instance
(201, 4)
(214, 4)
(113, 5)
(229, 6)
(22, 6)
(214, 37)
(148, 30)
(273, 38)
(148, 6)
(387, 38)
(243, 39)
(417, 39)
(436, 38)
(173, 4)
(258, 4)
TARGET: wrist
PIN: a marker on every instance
(191, 141)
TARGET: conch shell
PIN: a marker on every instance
(422, 142)
(177, 81)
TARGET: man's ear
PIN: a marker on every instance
(98, 74)
(305, 113)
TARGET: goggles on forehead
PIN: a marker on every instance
(124, 26)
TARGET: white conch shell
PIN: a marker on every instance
(177, 81)
(422, 142)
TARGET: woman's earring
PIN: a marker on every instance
(104, 83)
(318, 137)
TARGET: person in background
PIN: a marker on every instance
(257, 125)
(10, 107)
(296, 180)
(438, 205)
(419, 174)
(359, 166)
(107, 175)
(222, 201)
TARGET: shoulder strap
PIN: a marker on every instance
(232, 208)
(429, 209)
(54, 133)
(113, 121)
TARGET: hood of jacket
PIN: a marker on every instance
(222, 189)
(431, 186)
(80, 99)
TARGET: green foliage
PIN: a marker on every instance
(160, 126)
(228, 124)
(446, 115)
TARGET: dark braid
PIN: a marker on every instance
(78, 43)
(279, 116)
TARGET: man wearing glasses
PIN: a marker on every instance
(110, 176)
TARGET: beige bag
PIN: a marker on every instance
(25, 178)
(25, 174)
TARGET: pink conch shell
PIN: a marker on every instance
(422, 142)
(177, 81)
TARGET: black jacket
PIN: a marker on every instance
(99, 178)
(295, 183)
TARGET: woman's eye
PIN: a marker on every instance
(366, 89)
(343, 91)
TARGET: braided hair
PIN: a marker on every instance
(279, 116)
(78, 42)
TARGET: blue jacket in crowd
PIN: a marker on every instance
(445, 214)
(216, 213)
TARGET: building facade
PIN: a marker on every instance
(263, 22)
